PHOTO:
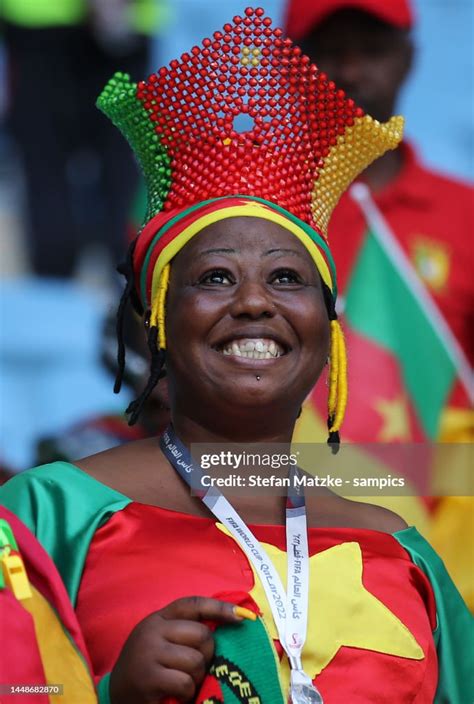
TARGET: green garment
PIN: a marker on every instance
(144, 15)
(454, 634)
(43, 13)
(63, 507)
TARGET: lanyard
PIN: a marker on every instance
(289, 610)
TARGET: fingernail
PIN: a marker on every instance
(242, 612)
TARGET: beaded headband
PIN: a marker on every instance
(165, 234)
(244, 121)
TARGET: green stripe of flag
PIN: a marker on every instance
(381, 306)
(413, 327)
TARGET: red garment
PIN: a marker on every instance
(188, 555)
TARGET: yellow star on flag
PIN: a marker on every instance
(342, 612)
(396, 421)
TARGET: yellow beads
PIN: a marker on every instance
(157, 318)
(337, 400)
(361, 143)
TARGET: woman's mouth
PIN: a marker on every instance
(253, 348)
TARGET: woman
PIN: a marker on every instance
(237, 284)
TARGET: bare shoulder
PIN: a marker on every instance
(329, 509)
(116, 458)
(374, 517)
(129, 469)
(140, 471)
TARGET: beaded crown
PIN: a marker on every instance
(246, 113)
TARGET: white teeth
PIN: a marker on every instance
(253, 349)
(236, 349)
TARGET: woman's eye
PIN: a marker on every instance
(286, 276)
(217, 277)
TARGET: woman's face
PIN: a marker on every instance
(246, 323)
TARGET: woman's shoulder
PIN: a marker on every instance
(378, 518)
(59, 498)
(136, 470)
(37, 481)
(338, 511)
(63, 507)
(53, 479)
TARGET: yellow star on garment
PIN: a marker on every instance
(341, 613)
(396, 422)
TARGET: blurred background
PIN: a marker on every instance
(58, 255)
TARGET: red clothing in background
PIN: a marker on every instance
(432, 218)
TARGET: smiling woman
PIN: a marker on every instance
(310, 598)
(245, 311)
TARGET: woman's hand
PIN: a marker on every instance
(169, 652)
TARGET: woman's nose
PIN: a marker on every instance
(252, 300)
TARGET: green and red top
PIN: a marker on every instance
(385, 621)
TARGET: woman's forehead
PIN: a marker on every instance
(243, 234)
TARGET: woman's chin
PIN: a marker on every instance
(256, 392)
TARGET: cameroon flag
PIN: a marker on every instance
(405, 366)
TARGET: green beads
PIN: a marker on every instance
(119, 102)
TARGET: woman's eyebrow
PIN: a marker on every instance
(282, 250)
(219, 250)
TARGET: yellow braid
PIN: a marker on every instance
(333, 370)
(341, 383)
(157, 318)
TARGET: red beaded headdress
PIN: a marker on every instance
(247, 124)
(246, 113)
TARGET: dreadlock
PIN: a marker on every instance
(156, 372)
(126, 269)
(154, 337)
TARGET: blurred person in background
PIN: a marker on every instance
(408, 230)
(79, 176)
